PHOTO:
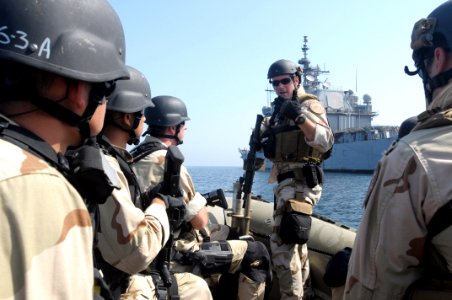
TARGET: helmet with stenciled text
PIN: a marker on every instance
(78, 39)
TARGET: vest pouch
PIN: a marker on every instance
(268, 145)
(296, 222)
(313, 175)
(93, 177)
(287, 145)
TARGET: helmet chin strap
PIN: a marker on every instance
(52, 107)
(437, 81)
(65, 115)
(173, 137)
(134, 138)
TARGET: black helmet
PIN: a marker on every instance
(280, 67)
(78, 39)
(428, 34)
(168, 111)
(130, 96)
(435, 30)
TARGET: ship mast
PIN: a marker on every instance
(311, 75)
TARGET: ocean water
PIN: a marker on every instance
(342, 197)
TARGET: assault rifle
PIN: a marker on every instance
(246, 181)
(170, 186)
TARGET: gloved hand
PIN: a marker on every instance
(291, 109)
(175, 206)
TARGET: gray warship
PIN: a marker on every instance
(358, 144)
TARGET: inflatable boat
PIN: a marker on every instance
(326, 238)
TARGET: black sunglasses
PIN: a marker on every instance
(101, 90)
(284, 81)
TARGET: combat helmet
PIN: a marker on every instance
(77, 39)
(428, 34)
(284, 66)
(281, 67)
(130, 96)
(168, 111)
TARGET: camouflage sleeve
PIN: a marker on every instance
(45, 229)
(314, 111)
(130, 239)
(150, 169)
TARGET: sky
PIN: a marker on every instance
(214, 55)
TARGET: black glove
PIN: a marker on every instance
(290, 109)
(175, 206)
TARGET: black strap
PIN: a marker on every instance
(285, 175)
(144, 149)
(440, 221)
(32, 143)
(132, 180)
(162, 292)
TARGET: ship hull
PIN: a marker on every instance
(359, 156)
(352, 157)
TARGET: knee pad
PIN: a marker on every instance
(256, 263)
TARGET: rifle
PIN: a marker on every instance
(246, 181)
(170, 186)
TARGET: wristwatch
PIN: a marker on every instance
(300, 119)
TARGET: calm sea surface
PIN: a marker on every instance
(342, 198)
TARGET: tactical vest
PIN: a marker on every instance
(116, 279)
(144, 149)
(134, 187)
(286, 143)
(163, 292)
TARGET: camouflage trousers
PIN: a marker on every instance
(290, 261)
(189, 286)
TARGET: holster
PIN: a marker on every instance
(296, 222)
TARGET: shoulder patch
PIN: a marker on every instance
(316, 107)
(306, 96)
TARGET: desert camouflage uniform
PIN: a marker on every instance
(130, 239)
(410, 184)
(150, 172)
(46, 232)
(290, 261)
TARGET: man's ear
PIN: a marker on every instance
(171, 130)
(127, 119)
